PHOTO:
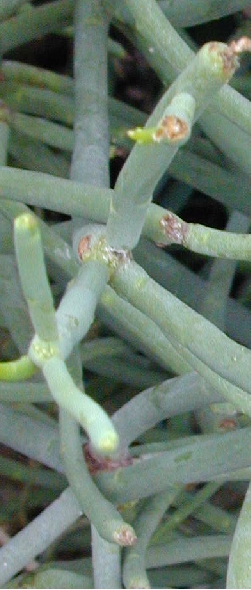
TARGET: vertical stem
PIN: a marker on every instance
(239, 573)
(91, 150)
(106, 563)
(90, 163)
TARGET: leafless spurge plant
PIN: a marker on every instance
(125, 324)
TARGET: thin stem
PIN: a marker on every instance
(24, 392)
(238, 575)
(209, 457)
(106, 559)
(187, 508)
(205, 240)
(76, 310)
(87, 412)
(187, 327)
(22, 368)
(182, 13)
(204, 76)
(91, 148)
(33, 277)
(148, 408)
(192, 549)
(39, 21)
(139, 330)
(100, 512)
(34, 476)
(38, 535)
(134, 569)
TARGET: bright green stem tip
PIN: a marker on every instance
(26, 222)
(18, 370)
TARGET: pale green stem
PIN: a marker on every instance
(33, 277)
(46, 131)
(57, 250)
(78, 199)
(35, 76)
(174, 396)
(189, 286)
(34, 23)
(169, 55)
(25, 392)
(209, 457)
(86, 411)
(38, 535)
(192, 549)
(29, 437)
(187, 508)
(91, 148)
(76, 310)
(217, 182)
(139, 330)
(107, 568)
(33, 155)
(101, 513)
(202, 79)
(206, 240)
(182, 13)
(239, 575)
(134, 569)
(222, 355)
(220, 417)
(56, 577)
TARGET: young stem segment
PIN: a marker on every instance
(211, 68)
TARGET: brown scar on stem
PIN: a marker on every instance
(228, 424)
(174, 228)
(171, 128)
(96, 464)
(84, 246)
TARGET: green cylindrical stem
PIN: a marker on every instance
(87, 412)
(134, 570)
(33, 277)
(38, 535)
(188, 328)
(239, 575)
(193, 549)
(75, 313)
(91, 148)
(35, 22)
(206, 74)
(102, 514)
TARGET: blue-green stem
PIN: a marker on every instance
(100, 512)
(209, 457)
(134, 569)
(191, 549)
(187, 508)
(184, 325)
(86, 411)
(76, 310)
(91, 147)
(201, 79)
(174, 396)
(33, 277)
(182, 13)
(35, 22)
(38, 535)
(139, 330)
(238, 575)
(188, 286)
